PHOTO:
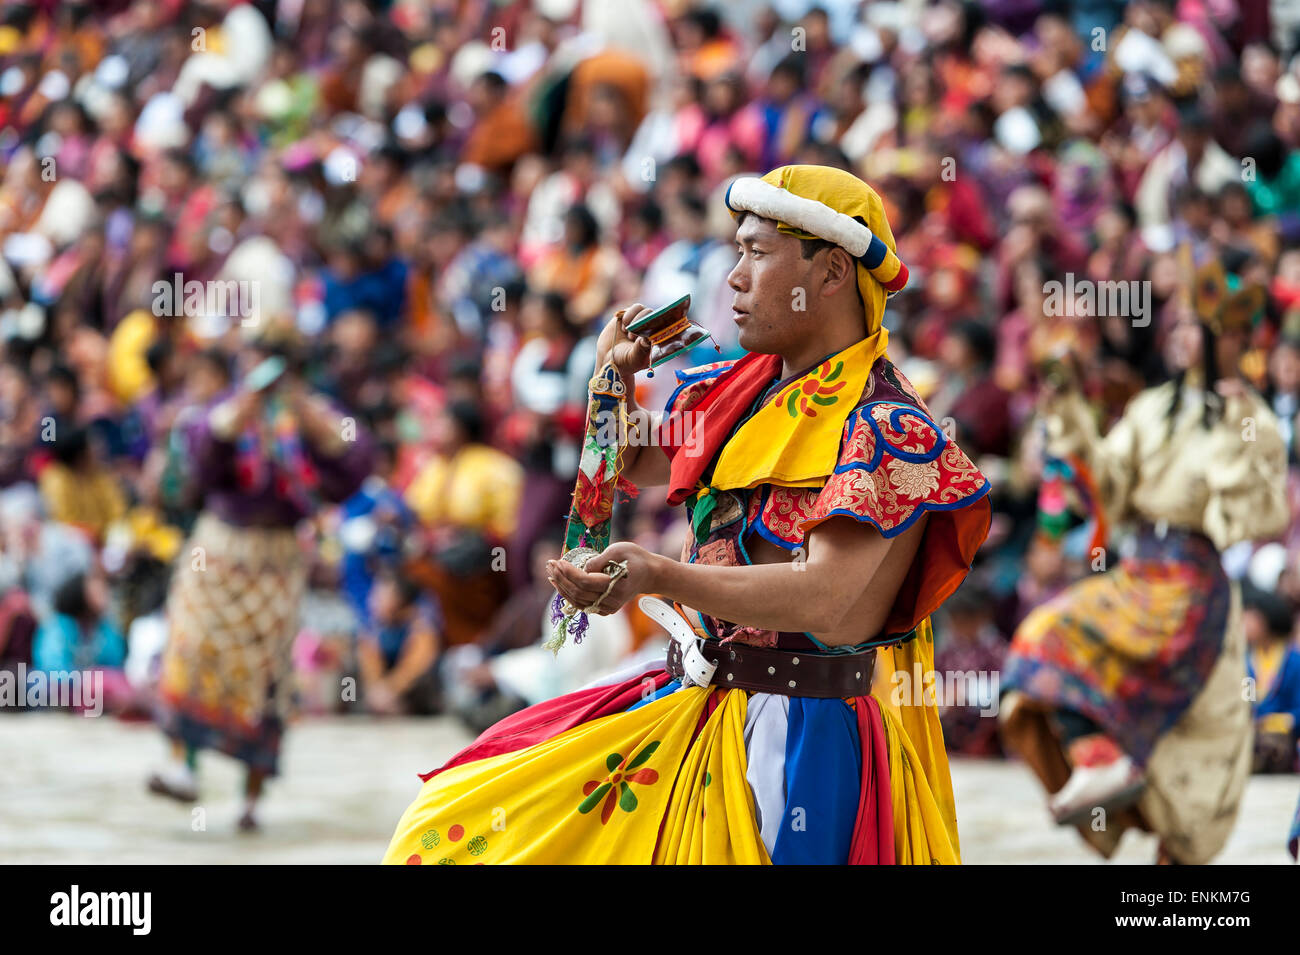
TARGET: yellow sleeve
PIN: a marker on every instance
(1113, 459)
(422, 493)
(1247, 481)
(507, 486)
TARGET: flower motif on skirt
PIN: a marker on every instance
(616, 788)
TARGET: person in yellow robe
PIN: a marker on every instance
(1124, 693)
(830, 517)
(467, 496)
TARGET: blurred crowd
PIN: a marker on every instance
(436, 205)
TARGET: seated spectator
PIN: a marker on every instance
(398, 649)
(467, 496)
(968, 644)
(1273, 662)
(81, 636)
(17, 630)
(76, 488)
(580, 268)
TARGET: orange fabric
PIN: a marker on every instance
(500, 138)
(617, 69)
(942, 562)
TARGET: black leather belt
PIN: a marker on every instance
(790, 673)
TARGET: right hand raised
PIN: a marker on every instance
(629, 353)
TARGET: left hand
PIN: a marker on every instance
(581, 587)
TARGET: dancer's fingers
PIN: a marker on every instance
(580, 587)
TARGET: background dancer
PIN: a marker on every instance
(264, 457)
(1124, 693)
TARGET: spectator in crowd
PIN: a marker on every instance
(81, 637)
(1273, 663)
(969, 654)
(398, 648)
(467, 497)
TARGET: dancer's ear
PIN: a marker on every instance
(841, 271)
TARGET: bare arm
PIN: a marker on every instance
(419, 653)
(844, 589)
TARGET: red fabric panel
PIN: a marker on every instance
(714, 416)
(542, 721)
(873, 834)
(942, 562)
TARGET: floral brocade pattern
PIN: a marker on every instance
(894, 464)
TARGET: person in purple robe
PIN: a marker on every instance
(264, 457)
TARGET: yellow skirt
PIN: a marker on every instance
(642, 786)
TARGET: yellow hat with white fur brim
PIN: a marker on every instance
(823, 202)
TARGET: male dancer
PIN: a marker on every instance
(830, 518)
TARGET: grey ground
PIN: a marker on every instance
(72, 791)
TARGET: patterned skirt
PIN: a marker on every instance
(227, 677)
(1132, 648)
(639, 769)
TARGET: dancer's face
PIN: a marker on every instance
(773, 285)
(1183, 346)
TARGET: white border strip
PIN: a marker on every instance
(766, 200)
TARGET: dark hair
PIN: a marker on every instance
(693, 204)
(557, 306)
(62, 374)
(706, 20)
(1268, 151)
(408, 591)
(70, 443)
(1192, 117)
(793, 65)
(588, 228)
(686, 164)
(513, 291)
(469, 418)
(1275, 608)
(979, 340)
(1212, 404)
(387, 449)
(156, 355)
(70, 598)
(650, 213)
(494, 81)
(970, 598)
(215, 359)
(808, 248)
(465, 368)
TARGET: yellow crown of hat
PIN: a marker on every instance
(822, 202)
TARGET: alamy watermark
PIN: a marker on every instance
(639, 429)
(82, 689)
(1084, 298)
(75, 907)
(979, 688)
(230, 298)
